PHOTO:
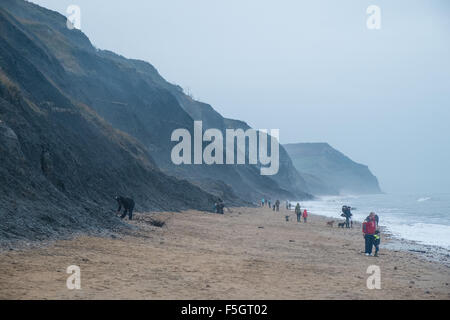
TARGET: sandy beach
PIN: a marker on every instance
(249, 253)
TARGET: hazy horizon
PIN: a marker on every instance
(313, 70)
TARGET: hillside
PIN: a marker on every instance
(131, 96)
(60, 163)
(332, 168)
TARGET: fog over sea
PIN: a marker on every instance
(423, 218)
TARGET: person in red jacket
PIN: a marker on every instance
(369, 228)
(305, 215)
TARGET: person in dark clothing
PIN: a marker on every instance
(277, 205)
(347, 214)
(349, 217)
(376, 242)
(298, 212)
(219, 206)
(128, 206)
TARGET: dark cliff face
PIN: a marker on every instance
(333, 169)
(79, 125)
(132, 97)
(60, 163)
(287, 177)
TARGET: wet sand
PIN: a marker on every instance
(251, 253)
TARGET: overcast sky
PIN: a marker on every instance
(310, 68)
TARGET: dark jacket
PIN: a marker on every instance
(376, 239)
(347, 212)
(126, 203)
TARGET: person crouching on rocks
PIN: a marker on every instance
(128, 206)
(219, 206)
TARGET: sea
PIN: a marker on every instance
(421, 218)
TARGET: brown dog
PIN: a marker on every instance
(330, 223)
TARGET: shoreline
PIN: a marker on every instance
(427, 252)
(431, 252)
(250, 253)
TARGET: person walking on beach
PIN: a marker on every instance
(305, 215)
(369, 228)
(269, 203)
(298, 212)
(262, 202)
(277, 205)
(128, 206)
(347, 214)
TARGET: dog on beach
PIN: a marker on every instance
(330, 223)
(341, 225)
